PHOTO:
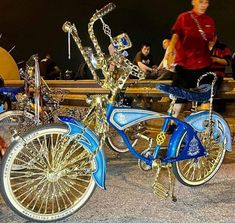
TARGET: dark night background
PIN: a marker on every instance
(35, 26)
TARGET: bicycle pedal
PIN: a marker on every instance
(142, 164)
(161, 191)
(163, 185)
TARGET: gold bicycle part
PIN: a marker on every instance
(198, 170)
(161, 137)
(51, 174)
(164, 182)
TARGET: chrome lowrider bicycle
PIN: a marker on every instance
(32, 104)
(51, 171)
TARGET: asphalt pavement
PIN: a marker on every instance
(129, 198)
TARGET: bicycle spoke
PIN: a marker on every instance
(197, 170)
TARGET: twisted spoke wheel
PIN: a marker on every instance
(14, 122)
(47, 176)
(194, 172)
(116, 143)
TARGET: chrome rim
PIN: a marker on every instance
(202, 169)
(50, 175)
(117, 143)
(15, 122)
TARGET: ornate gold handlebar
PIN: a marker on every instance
(105, 10)
(125, 67)
(70, 28)
(100, 55)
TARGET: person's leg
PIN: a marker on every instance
(208, 80)
(186, 79)
(180, 79)
(176, 110)
(165, 75)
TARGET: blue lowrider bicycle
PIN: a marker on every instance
(51, 171)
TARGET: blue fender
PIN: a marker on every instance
(1, 108)
(221, 130)
(91, 142)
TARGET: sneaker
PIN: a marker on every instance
(171, 129)
(193, 109)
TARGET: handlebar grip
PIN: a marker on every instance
(67, 27)
(105, 10)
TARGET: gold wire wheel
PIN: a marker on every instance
(14, 122)
(116, 143)
(48, 177)
(194, 172)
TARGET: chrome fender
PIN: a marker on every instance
(91, 142)
(221, 130)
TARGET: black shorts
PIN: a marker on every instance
(187, 79)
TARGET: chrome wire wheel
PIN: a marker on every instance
(14, 122)
(116, 143)
(47, 176)
(194, 172)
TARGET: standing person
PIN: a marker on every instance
(49, 69)
(192, 32)
(144, 60)
(221, 57)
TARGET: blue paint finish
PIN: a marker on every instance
(188, 150)
(71, 120)
(11, 92)
(1, 108)
(174, 141)
(191, 146)
(221, 130)
(90, 141)
(122, 117)
(129, 117)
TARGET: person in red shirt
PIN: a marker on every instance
(192, 32)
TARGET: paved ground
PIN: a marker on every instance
(129, 198)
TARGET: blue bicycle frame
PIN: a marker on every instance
(122, 118)
(185, 135)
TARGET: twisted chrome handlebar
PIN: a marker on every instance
(122, 63)
(70, 28)
(105, 10)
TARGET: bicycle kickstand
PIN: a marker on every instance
(163, 186)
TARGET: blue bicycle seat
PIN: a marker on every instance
(199, 94)
(14, 90)
(11, 91)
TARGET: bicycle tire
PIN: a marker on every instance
(115, 142)
(14, 121)
(195, 172)
(47, 176)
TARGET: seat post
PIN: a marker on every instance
(171, 107)
(169, 112)
(211, 97)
